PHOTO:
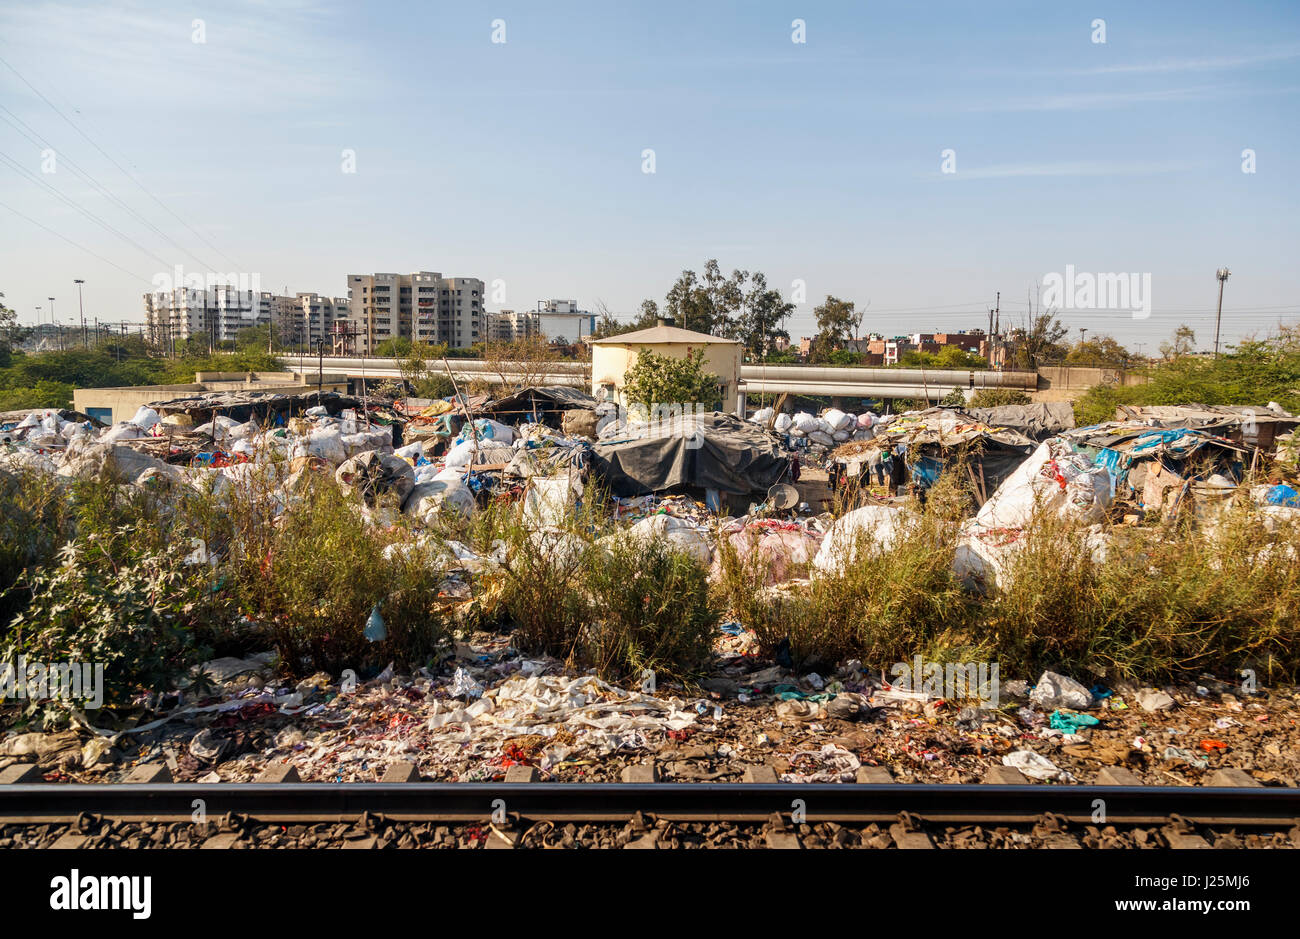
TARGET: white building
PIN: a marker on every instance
(561, 319)
(510, 326)
(422, 306)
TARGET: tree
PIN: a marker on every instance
(708, 304)
(835, 324)
(258, 337)
(762, 314)
(394, 348)
(422, 370)
(1183, 343)
(949, 357)
(1039, 341)
(1099, 350)
(11, 334)
(608, 325)
(663, 379)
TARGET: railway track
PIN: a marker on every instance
(617, 814)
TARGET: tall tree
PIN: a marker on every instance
(761, 318)
(1182, 343)
(10, 333)
(835, 324)
(706, 304)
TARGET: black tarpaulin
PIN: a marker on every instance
(708, 451)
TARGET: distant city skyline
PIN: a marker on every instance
(915, 160)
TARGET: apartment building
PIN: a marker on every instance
(511, 325)
(219, 313)
(423, 306)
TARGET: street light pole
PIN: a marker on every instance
(82, 310)
(1222, 273)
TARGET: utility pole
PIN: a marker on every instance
(82, 310)
(1222, 273)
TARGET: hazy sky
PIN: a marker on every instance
(819, 161)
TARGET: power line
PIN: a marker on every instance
(36, 139)
(110, 159)
(32, 177)
(74, 244)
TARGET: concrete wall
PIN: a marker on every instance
(610, 362)
(126, 401)
(1068, 383)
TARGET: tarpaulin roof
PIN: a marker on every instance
(558, 397)
(711, 451)
(1037, 421)
(243, 405)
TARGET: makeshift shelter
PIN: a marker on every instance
(711, 451)
(540, 405)
(1037, 421)
(918, 446)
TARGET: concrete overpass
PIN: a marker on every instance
(755, 379)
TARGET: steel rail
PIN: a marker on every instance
(55, 803)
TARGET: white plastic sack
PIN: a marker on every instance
(123, 431)
(783, 423)
(880, 524)
(837, 419)
(546, 501)
(680, 535)
(145, 417)
(327, 444)
(429, 498)
(805, 423)
(1084, 496)
(459, 456)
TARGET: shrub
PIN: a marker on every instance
(139, 613)
(883, 607)
(997, 397)
(652, 611)
(543, 591)
(34, 524)
(310, 578)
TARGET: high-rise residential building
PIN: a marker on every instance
(423, 306)
(510, 326)
(218, 314)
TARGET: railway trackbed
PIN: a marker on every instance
(537, 814)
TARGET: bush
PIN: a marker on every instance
(543, 593)
(652, 611)
(997, 397)
(138, 613)
(884, 607)
(311, 577)
(34, 524)
(1166, 601)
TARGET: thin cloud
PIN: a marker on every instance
(1079, 168)
(1212, 64)
(1095, 101)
